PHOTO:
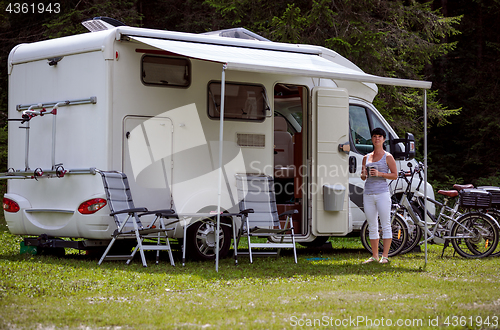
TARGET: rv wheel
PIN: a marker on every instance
(201, 243)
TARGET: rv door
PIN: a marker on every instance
(330, 182)
(148, 159)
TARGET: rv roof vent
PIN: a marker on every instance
(101, 23)
(240, 33)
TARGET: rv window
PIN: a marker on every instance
(376, 122)
(290, 101)
(360, 129)
(361, 123)
(165, 71)
(242, 102)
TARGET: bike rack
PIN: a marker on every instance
(59, 172)
(29, 111)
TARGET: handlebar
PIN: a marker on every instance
(418, 169)
(408, 175)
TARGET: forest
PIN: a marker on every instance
(455, 44)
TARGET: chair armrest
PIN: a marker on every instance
(167, 213)
(130, 211)
(240, 214)
(245, 212)
(289, 212)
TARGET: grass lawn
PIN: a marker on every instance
(327, 289)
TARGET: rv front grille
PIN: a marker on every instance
(251, 140)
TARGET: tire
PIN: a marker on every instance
(496, 214)
(414, 232)
(480, 235)
(201, 243)
(399, 236)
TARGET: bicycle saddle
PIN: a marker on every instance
(448, 193)
(463, 186)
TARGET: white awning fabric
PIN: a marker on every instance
(273, 61)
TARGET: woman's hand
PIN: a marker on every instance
(363, 172)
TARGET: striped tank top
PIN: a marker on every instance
(377, 185)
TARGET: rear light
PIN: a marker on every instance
(92, 206)
(10, 206)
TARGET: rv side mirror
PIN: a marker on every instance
(411, 149)
(408, 145)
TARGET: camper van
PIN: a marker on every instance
(148, 103)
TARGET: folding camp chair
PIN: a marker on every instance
(127, 218)
(256, 192)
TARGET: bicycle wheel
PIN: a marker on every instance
(399, 236)
(414, 232)
(474, 235)
(496, 214)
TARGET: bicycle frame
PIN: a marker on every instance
(440, 226)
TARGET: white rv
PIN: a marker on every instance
(147, 103)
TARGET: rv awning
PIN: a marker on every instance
(273, 61)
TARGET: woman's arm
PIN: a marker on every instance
(393, 175)
(363, 168)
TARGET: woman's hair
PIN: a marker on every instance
(378, 131)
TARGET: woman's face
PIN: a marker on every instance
(378, 139)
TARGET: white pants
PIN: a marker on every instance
(378, 206)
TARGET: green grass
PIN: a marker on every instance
(325, 288)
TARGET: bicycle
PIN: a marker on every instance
(414, 231)
(473, 234)
(399, 235)
(398, 217)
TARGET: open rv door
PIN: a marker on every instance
(330, 162)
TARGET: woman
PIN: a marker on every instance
(376, 196)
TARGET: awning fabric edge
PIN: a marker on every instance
(318, 68)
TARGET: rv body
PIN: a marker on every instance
(153, 113)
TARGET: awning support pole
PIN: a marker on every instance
(425, 174)
(221, 145)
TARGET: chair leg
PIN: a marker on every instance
(167, 243)
(294, 248)
(107, 250)
(249, 242)
(139, 245)
(250, 249)
(113, 240)
(184, 244)
(137, 248)
(235, 242)
(158, 251)
(170, 255)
